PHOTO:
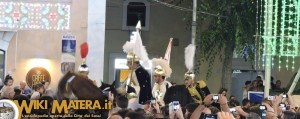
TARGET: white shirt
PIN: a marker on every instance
(134, 79)
(35, 96)
(159, 91)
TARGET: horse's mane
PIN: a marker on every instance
(82, 87)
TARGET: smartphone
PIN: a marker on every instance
(263, 115)
(105, 92)
(215, 98)
(262, 107)
(282, 105)
(271, 97)
(284, 95)
(232, 110)
(175, 105)
(153, 100)
(210, 116)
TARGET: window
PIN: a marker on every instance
(133, 11)
(136, 11)
(2, 64)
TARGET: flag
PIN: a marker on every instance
(140, 50)
(168, 51)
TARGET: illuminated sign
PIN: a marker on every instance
(37, 75)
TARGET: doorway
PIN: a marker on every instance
(239, 77)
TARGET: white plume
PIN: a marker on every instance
(189, 56)
(164, 64)
(128, 47)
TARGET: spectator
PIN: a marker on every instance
(8, 82)
(152, 108)
(48, 90)
(189, 109)
(246, 105)
(246, 89)
(115, 117)
(17, 91)
(20, 99)
(225, 115)
(272, 83)
(8, 93)
(223, 91)
(278, 85)
(24, 90)
(134, 115)
(122, 113)
(38, 91)
(175, 114)
(255, 86)
(258, 78)
(232, 97)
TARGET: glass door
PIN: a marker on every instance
(2, 65)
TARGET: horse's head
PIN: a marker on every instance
(108, 87)
(178, 93)
(72, 84)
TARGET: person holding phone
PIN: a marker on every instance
(151, 107)
(175, 111)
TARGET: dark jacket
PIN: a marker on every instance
(144, 80)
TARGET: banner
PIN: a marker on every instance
(68, 53)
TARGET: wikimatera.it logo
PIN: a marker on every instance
(8, 109)
(63, 106)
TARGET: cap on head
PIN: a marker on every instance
(189, 75)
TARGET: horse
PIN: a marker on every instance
(178, 93)
(75, 86)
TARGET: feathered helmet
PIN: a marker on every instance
(161, 67)
(189, 61)
(84, 49)
(128, 49)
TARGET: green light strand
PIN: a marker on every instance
(297, 26)
(282, 27)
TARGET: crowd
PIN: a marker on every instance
(9, 92)
(190, 101)
(136, 99)
(212, 106)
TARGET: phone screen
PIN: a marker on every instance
(211, 116)
(175, 105)
(153, 101)
(284, 96)
(263, 115)
(271, 97)
(232, 110)
(282, 105)
(215, 97)
(105, 92)
(262, 107)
